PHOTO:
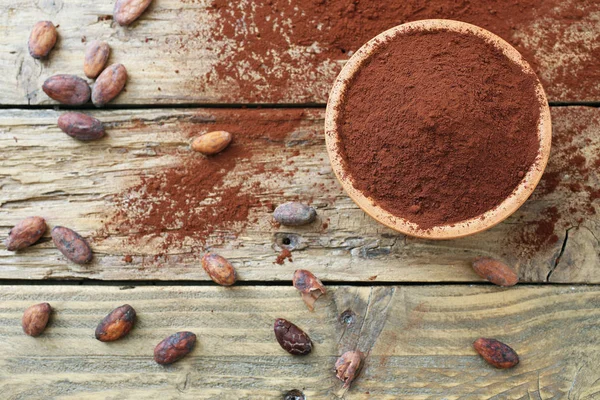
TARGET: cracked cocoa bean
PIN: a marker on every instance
(174, 348)
(310, 287)
(67, 89)
(25, 233)
(496, 353)
(291, 338)
(42, 39)
(72, 245)
(35, 319)
(117, 324)
(348, 366)
(495, 271)
(294, 214)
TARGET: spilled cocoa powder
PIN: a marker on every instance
(280, 50)
(206, 199)
(567, 195)
(438, 127)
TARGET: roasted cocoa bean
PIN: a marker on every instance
(72, 245)
(219, 269)
(496, 353)
(25, 233)
(80, 126)
(174, 348)
(67, 89)
(96, 56)
(495, 271)
(35, 319)
(291, 338)
(212, 142)
(117, 324)
(42, 39)
(127, 11)
(109, 84)
(294, 214)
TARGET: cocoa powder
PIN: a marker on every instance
(277, 50)
(438, 127)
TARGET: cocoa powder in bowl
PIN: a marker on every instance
(437, 126)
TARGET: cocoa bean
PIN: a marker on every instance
(96, 56)
(219, 269)
(42, 39)
(109, 84)
(348, 366)
(496, 353)
(174, 348)
(294, 214)
(310, 287)
(25, 233)
(127, 11)
(35, 319)
(291, 338)
(212, 142)
(72, 245)
(80, 126)
(67, 89)
(495, 271)
(117, 324)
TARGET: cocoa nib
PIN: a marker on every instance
(117, 324)
(495, 271)
(174, 348)
(310, 287)
(72, 245)
(291, 338)
(25, 233)
(496, 353)
(35, 319)
(348, 366)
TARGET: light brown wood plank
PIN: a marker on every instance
(418, 340)
(173, 50)
(82, 186)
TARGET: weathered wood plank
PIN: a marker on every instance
(84, 186)
(173, 51)
(418, 340)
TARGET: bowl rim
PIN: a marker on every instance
(459, 229)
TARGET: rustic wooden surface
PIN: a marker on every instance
(169, 51)
(74, 184)
(418, 340)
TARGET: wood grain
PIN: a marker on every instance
(418, 341)
(45, 172)
(170, 51)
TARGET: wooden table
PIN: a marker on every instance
(413, 306)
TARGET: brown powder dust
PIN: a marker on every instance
(281, 50)
(438, 127)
